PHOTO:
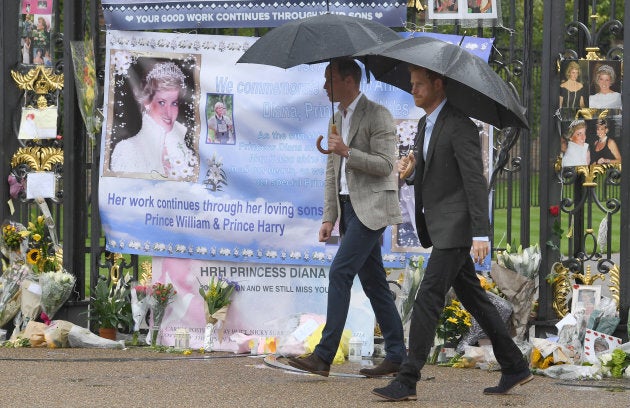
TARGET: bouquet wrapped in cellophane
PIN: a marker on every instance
(217, 297)
(140, 296)
(57, 287)
(411, 278)
(515, 275)
(161, 296)
(14, 241)
(10, 292)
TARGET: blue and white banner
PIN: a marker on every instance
(254, 196)
(247, 187)
(178, 14)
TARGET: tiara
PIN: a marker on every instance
(166, 70)
(577, 122)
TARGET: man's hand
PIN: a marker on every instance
(336, 145)
(480, 250)
(405, 165)
(324, 231)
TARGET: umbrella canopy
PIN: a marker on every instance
(472, 85)
(316, 39)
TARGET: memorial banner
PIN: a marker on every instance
(177, 14)
(268, 305)
(243, 179)
(226, 168)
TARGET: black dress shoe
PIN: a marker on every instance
(386, 368)
(312, 364)
(396, 391)
(509, 381)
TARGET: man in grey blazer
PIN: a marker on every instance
(361, 191)
(452, 216)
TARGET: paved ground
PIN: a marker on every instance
(139, 377)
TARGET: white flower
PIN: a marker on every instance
(122, 61)
(605, 358)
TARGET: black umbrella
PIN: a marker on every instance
(472, 85)
(316, 39)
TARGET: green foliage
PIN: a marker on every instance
(111, 307)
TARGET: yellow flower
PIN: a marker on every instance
(33, 256)
(452, 320)
(89, 95)
(36, 237)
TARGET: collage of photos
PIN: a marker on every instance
(590, 111)
(35, 26)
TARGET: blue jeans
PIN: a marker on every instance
(360, 253)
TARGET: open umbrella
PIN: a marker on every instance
(472, 85)
(316, 39)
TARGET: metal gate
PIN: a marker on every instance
(527, 162)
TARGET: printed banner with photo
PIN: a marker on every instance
(225, 168)
(590, 112)
(462, 9)
(177, 14)
(288, 290)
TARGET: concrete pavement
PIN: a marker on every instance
(140, 377)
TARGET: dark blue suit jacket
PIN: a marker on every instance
(450, 186)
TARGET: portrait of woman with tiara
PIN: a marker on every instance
(160, 148)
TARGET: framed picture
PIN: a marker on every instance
(586, 298)
(596, 343)
(462, 9)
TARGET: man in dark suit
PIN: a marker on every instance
(362, 192)
(452, 216)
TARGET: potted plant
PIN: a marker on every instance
(110, 308)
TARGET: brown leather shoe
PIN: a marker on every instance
(385, 369)
(312, 364)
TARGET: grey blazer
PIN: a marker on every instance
(370, 173)
(451, 186)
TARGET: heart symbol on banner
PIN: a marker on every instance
(378, 15)
(129, 18)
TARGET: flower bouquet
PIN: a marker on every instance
(412, 276)
(86, 85)
(161, 296)
(44, 254)
(56, 289)
(30, 304)
(615, 364)
(515, 275)
(14, 242)
(217, 299)
(10, 293)
(453, 324)
(140, 296)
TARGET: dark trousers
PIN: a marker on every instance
(360, 253)
(446, 268)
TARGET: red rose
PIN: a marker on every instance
(554, 210)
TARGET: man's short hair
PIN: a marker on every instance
(347, 67)
(432, 75)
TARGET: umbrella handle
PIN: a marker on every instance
(333, 129)
(319, 146)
